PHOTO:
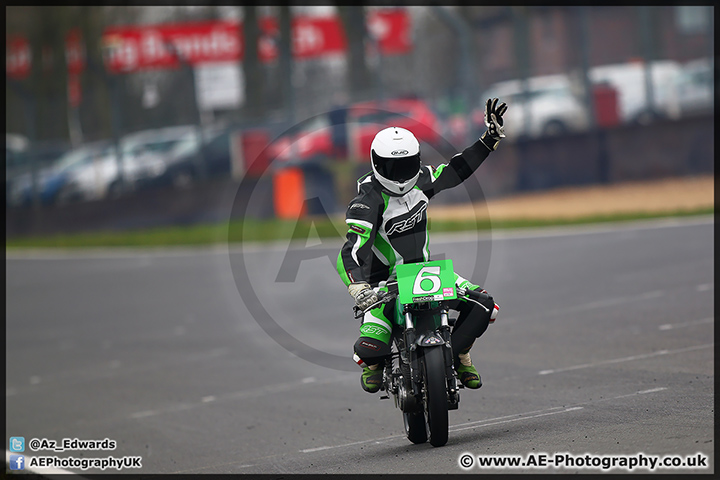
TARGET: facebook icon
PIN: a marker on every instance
(17, 462)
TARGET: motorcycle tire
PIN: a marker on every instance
(415, 427)
(435, 396)
(414, 421)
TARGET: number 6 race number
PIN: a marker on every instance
(432, 275)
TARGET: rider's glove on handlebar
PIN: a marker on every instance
(362, 293)
(494, 123)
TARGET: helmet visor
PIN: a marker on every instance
(397, 169)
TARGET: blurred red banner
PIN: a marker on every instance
(74, 52)
(312, 37)
(132, 48)
(392, 30)
(17, 57)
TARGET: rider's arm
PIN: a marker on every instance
(460, 167)
(361, 218)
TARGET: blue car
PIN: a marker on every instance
(52, 180)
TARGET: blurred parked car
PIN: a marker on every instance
(52, 180)
(194, 156)
(15, 149)
(40, 155)
(629, 81)
(92, 171)
(695, 87)
(349, 130)
(15, 146)
(141, 159)
(367, 118)
(551, 105)
(306, 141)
(159, 140)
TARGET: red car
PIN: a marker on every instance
(348, 132)
(368, 118)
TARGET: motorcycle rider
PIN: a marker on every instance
(387, 226)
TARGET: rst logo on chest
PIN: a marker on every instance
(403, 225)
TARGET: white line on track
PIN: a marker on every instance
(491, 421)
(606, 302)
(374, 440)
(256, 392)
(570, 230)
(672, 326)
(570, 409)
(542, 413)
(610, 302)
(625, 359)
(101, 253)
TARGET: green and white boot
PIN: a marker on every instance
(467, 372)
(371, 378)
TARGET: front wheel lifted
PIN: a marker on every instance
(435, 396)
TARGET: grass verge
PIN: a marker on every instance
(251, 230)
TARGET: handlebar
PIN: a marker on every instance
(383, 297)
(386, 297)
(474, 294)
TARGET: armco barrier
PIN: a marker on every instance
(663, 149)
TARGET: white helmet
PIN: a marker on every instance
(395, 154)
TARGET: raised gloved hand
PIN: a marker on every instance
(363, 294)
(494, 123)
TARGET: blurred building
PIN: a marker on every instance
(679, 33)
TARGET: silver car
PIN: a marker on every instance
(550, 106)
(105, 176)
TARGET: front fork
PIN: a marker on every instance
(453, 394)
(410, 336)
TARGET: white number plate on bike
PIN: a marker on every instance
(426, 281)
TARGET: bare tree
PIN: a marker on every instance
(95, 104)
(254, 91)
(358, 74)
(286, 60)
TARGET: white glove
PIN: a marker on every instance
(362, 293)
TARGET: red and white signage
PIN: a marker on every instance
(391, 28)
(74, 52)
(17, 57)
(139, 47)
(312, 37)
(133, 48)
(128, 49)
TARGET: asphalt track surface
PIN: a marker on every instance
(604, 345)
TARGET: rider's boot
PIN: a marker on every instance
(467, 372)
(371, 378)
